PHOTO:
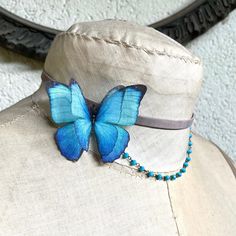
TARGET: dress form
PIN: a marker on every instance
(43, 194)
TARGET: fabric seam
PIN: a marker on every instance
(32, 107)
(172, 209)
(134, 46)
(10, 122)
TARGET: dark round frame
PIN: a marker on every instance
(33, 40)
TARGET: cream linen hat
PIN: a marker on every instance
(44, 194)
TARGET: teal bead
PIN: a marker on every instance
(167, 177)
(125, 155)
(178, 174)
(185, 164)
(159, 177)
(189, 151)
(150, 174)
(133, 163)
(141, 169)
(172, 177)
(188, 159)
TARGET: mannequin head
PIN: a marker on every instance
(104, 54)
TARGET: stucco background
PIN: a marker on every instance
(216, 108)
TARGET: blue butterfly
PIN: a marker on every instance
(70, 108)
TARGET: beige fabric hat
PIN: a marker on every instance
(44, 194)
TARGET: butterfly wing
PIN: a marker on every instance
(60, 103)
(73, 138)
(79, 108)
(111, 140)
(118, 108)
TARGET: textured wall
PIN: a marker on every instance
(216, 108)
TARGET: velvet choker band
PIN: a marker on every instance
(143, 120)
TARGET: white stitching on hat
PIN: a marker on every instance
(127, 45)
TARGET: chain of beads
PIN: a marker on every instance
(157, 175)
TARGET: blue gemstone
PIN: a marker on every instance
(182, 170)
(190, 144)
(150, 174)
(166, 178)
(190, 135)
(185, 164)
(189, 151)
(172, 177)
(159, 177)
(178, 174)
(188, 159)
(133, 163)
(141, 168)
(125, 155)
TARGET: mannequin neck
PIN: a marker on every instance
(154, 158)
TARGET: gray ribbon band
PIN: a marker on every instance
(164, 123)
(144, 121)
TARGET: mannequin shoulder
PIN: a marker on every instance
(209, 190)
(20, 122)
(15, 112)
(207, 153)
